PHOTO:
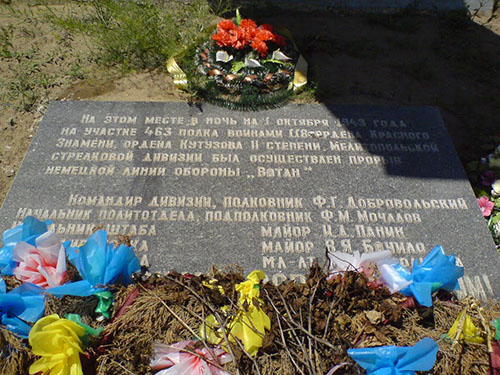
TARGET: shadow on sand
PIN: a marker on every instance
(444, 60)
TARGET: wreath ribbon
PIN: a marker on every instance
(180, 78)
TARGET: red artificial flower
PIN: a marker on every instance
(222, 38)
(247, 23)
(242, 40)
(248, 29)
(238, 37)
(226, 38)
(279, 40)
(263, 35)
(260, 46)
(226, 25)
(267, 27)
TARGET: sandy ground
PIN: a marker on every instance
(356, 59)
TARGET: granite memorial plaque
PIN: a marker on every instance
(195, 186)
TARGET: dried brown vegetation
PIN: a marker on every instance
(312, 325)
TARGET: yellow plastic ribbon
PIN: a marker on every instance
(180, 78)
(300, 74)
(58, 342)
(470, 333)
(250, 322)
(250, 289)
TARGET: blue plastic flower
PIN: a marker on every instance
(437, 271)
(28, 232)
(395, 360)
(100, 264)
(22, 304)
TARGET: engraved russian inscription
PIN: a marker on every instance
(272, 190)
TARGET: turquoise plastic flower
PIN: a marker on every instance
(437, 271)
(22, 304)
(100, 264)
(397, 360)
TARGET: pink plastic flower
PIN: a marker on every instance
(43, 265)
(188, 357)
(486, 206)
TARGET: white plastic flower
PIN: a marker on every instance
(341, 262)
(496, 229)
(223, 56)
(278, 55)
(252, 63)
(495, 189)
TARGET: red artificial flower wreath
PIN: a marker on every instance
(247, 33)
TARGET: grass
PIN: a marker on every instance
(139, 34)
(120, 37)
(31, 82)
(6, 47)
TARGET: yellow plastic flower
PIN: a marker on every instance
(249, 327)
(210, 330)
(470, 333)
(249, 323)
(58, 342)
(250, 289)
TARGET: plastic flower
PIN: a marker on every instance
(495, 189)
(396, 360)
(226, 25)
(260, 46)
(229, 35)
(437, 271)
(250, 289)
(278, 55)
(28, 231)
(264, 35)
(44, 264)
(279, 40)
(470, 333)
(226, 39)
(251, 323)
(248, 30)
(248, 324)
(22, 304)
(187, 357)
(486, 206)
(266, 26)
(58, 342)
(223, 56)
(248, 24)
(340, 262)
(246, 33)
(100, 264)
